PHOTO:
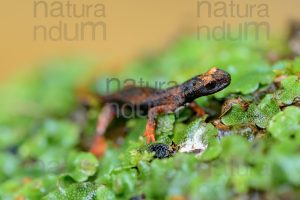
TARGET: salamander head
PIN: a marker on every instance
(205, 84)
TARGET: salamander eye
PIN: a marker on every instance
(211, 85)
(194, 83)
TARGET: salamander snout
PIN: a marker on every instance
(219, 76)
(214, 80)
(208, 83)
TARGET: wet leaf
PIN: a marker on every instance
(237, 115)
(264, 111)
(227, 105)
(291, 90)
(197, 136)
(165, 124)
(285, 125)
(179, 132)
(82, 166)
(104, 193)
(124, 181)
(213, 150)
(234, 149)
(255, 114)
(77, 191)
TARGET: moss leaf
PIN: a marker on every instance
(264, 111)
(82, 166)
(285, 125)
(165, 124)
(237, 115)
(77, 191)
(291, 90)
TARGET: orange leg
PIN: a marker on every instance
(150, 131)
(104, 119)
(197, 109)
(98, 146)
(151, 123)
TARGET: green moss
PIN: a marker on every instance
(291, 90)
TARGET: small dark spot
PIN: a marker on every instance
(292, 136)
(161, 150)
(13, 149)
(211, 85)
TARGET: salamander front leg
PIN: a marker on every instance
(150, 131)
(196, 108)
(152, 116)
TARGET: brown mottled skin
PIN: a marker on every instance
(154, 102)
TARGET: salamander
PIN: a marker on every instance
(154, 102)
